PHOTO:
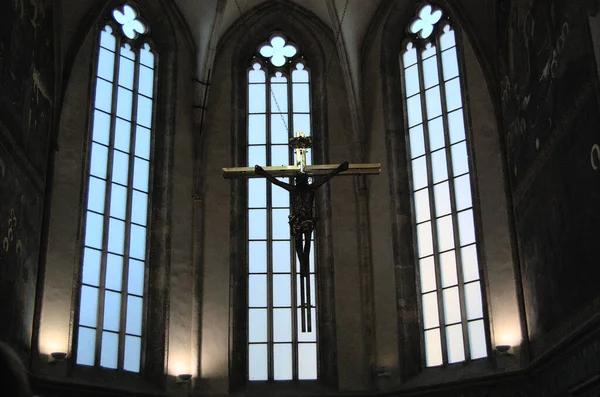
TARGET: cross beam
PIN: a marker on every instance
(290, 170)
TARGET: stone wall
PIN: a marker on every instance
(26, 107)
(551, 118)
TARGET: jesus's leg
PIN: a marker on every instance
(300, 253)
(306, 260)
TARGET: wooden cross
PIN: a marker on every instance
(301, 218)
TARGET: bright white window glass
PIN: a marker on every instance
(453, 94)
(135, 282)
(300, 98)
(106, 65)
(419, 173)
(115, 207)
(93, 230)
(118, 201)
(142, 142)
(257, 256)
(98, 160)
(124, 103)
(466, 228)
(110, 350)
(477, 339)
(101, 130)
(137, 242)
(430, 310)
(439, 166)
(430, 72)
(417, 143)
(86, 342)
(133, 351)
(256, 75)
(445, 233)
(422, 205)
(103, 95)
(302, 124)
(257, 193)
(134, 315)
(282, 292)
(456, 126)
(411, 80)
(433, 102)
(96, 193)
(433, 347)
(283, 331)
(427, 272)
(450, 64)
(456, 345)
(436, 134)
(257, 129)
(280, 155)
(440, 144)
(139, 208)
(256, 98)
(112, 311)
(282, 355)
(257, 325)
(462, 192)
(257, 219)
(279, 97)
(257, 290)
(473, 298)
(257, 155)
(89, 306)
(451, 305)
(307, 361)
(258, 368)
(442, 199)
(114, 272)
(448, 269)
(470, 264)
(413, 108)
(281, 257)
(280, 197)
(91, 267)
(116, 236)
(126, 67)
(425, 241)
(281, 228)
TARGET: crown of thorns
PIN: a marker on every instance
(301, 142)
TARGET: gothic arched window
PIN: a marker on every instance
(278, 106)
(444, 217)
(109, 332)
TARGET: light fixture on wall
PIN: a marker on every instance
(503, 349)
(184, 378)
(57, 357)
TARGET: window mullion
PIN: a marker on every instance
(453, 211)
(432, 212)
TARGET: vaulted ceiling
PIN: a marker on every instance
(210, 19)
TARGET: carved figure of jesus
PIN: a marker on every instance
(302, 197)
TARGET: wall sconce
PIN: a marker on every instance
(503, 349)
(57, 357)
(183, 378)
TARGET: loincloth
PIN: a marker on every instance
(301, 225)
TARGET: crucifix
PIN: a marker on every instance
(302, 196)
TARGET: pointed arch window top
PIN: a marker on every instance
(127, 17)
(278, 50)
(426, 19)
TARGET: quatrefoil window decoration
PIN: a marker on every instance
(278, 51)
(426, 19)
(130, 25)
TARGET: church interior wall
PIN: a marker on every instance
(532, 83)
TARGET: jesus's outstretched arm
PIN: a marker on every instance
(261, 171)
(341, 168)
